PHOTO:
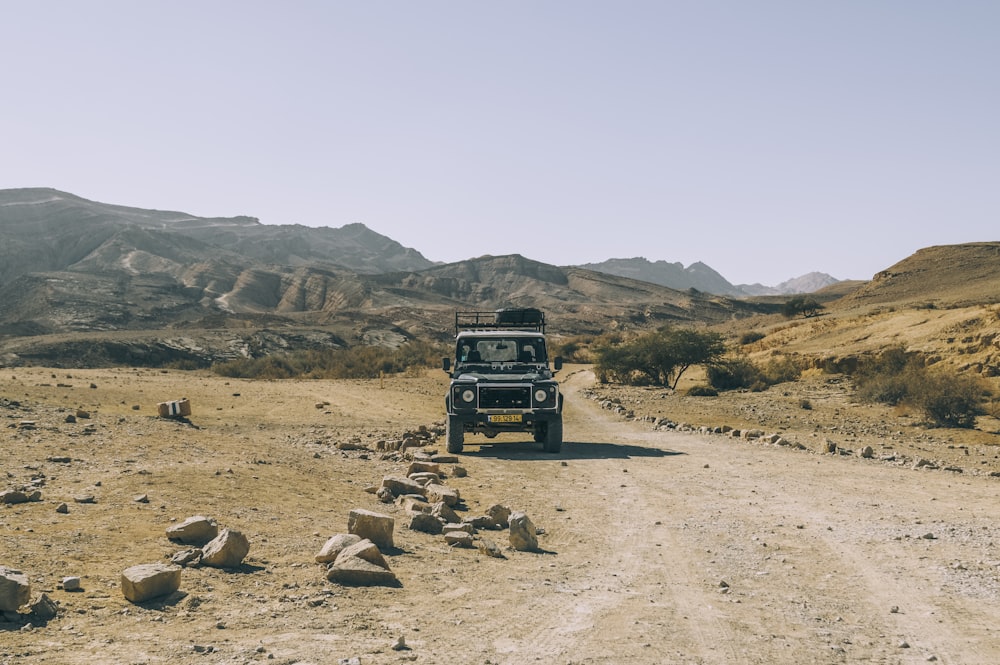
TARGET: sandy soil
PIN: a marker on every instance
(657, 546)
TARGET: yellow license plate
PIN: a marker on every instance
(506, 418)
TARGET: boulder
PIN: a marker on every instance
(418, 466)
(500, 514)
(364, 549)
(43, 607)
(426, 523)
(361, 564)
(335, 545)
(15, 590)
(354, 571)
(376, 527)
(150, 580)
(458, 539)
(444, 512)
(491, 549)
(196, 530)
(436, 492)
(523, 536)
(227, 550)
(71, 583)
(413, 504)
(11, 497)
(399, 486)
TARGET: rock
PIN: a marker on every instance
(85, 498)
(335, 545)
(444, 459)
(426, 523)
(523, 536)
(423, 467)
(354, 571)
(361, 564)
(448, 495)
(385, 495)
(458, 527)
(62, 508)
(376, 527)
(71, 583)
(150, 580)
(500, 515)
(489, 548)
(197, 530)
(15, 590)
(481, 522)
(227, 550)
(867, 452)
(141, 498)
(187, 558)
(413, 504)
(11, 497)
(444, 512)
(400, 644)
(425, 478)
(458, 539)
(44, 607)
(399, 486)
(364, 549)
(459, 472)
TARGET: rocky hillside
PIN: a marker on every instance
(703, 278)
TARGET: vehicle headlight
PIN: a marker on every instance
(468, 395)
(541, 395)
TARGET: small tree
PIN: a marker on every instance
(658, 358)
(801, 305)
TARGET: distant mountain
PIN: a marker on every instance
(703, 278)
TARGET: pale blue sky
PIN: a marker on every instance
(764, 138)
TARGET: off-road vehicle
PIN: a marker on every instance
(501, 380)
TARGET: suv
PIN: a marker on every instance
(501, 380)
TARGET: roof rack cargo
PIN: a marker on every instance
(508, 318)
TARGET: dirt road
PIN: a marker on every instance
(657, 547)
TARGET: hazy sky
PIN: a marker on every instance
(765, 138)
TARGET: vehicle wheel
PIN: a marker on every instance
(456, 437)
(553, 437)
(539, 433)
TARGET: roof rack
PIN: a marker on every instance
(502, 319)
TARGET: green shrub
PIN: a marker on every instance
(949, 400)
(782, 370)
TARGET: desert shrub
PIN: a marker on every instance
(806, 306)
(733, 374)
(896, 376)
(949, 400)
(782, 370)
(702, 391)
(358, 363)
(751, 337)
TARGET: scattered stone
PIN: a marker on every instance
(376, 527)
(929, 536)
(15, 589)
(188, 558)
(481, 522)
(385, 495)
(11, 497)
(400, 644)
(436, 492)
(867, 452)
(85, 498)
(458, 539)
(197, 530)
(444, 459)
(399, 486)
(523, 536)
(418, 466)
(141, 498)
(444, 512)
(459, 472)
(361, 564)
(489, 548)
(71, 583)
(426, 523)
(70, 418)
(44, 607)
(227, 550)
(413, 504)
(62, 509)
(335, 545)
(500, 515)
(150, 580)
(457, 527)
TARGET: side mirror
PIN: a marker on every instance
(557, 363)
(446, 364)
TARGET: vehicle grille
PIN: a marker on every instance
(518, 397)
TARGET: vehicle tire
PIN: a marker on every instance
(553, 437)
(539, 433)
(456, 437)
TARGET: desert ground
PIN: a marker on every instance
(658, 543)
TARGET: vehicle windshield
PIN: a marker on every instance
(502, 350)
